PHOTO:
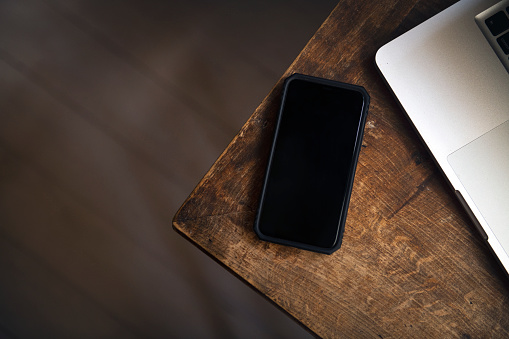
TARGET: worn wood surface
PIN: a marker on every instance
(411, 263)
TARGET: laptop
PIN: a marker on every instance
(451, 76)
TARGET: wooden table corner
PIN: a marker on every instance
(411, 263)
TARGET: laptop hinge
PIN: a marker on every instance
(471, 215)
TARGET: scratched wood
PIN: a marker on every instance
(411, 263)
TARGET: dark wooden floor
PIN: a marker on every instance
(110, 113)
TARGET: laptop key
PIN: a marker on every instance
(497, 23)
(503, 41)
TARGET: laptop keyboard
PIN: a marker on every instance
(494, 23)
(497, 23)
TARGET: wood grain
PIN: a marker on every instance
(411, 263)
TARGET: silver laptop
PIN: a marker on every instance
(451, 76)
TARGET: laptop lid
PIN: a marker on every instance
(455, 91)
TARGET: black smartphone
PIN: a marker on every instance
(311, 168)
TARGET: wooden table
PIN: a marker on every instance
(411, 263)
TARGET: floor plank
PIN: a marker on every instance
(110, 94)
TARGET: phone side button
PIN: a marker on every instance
(471, 215)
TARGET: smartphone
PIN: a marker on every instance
(309, 177)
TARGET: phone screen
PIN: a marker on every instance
(310, 173)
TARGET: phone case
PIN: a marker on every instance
(357, 147)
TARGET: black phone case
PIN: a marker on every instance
(358, 142)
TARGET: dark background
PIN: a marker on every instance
(110, 113)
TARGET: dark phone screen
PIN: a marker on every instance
(309, 174)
